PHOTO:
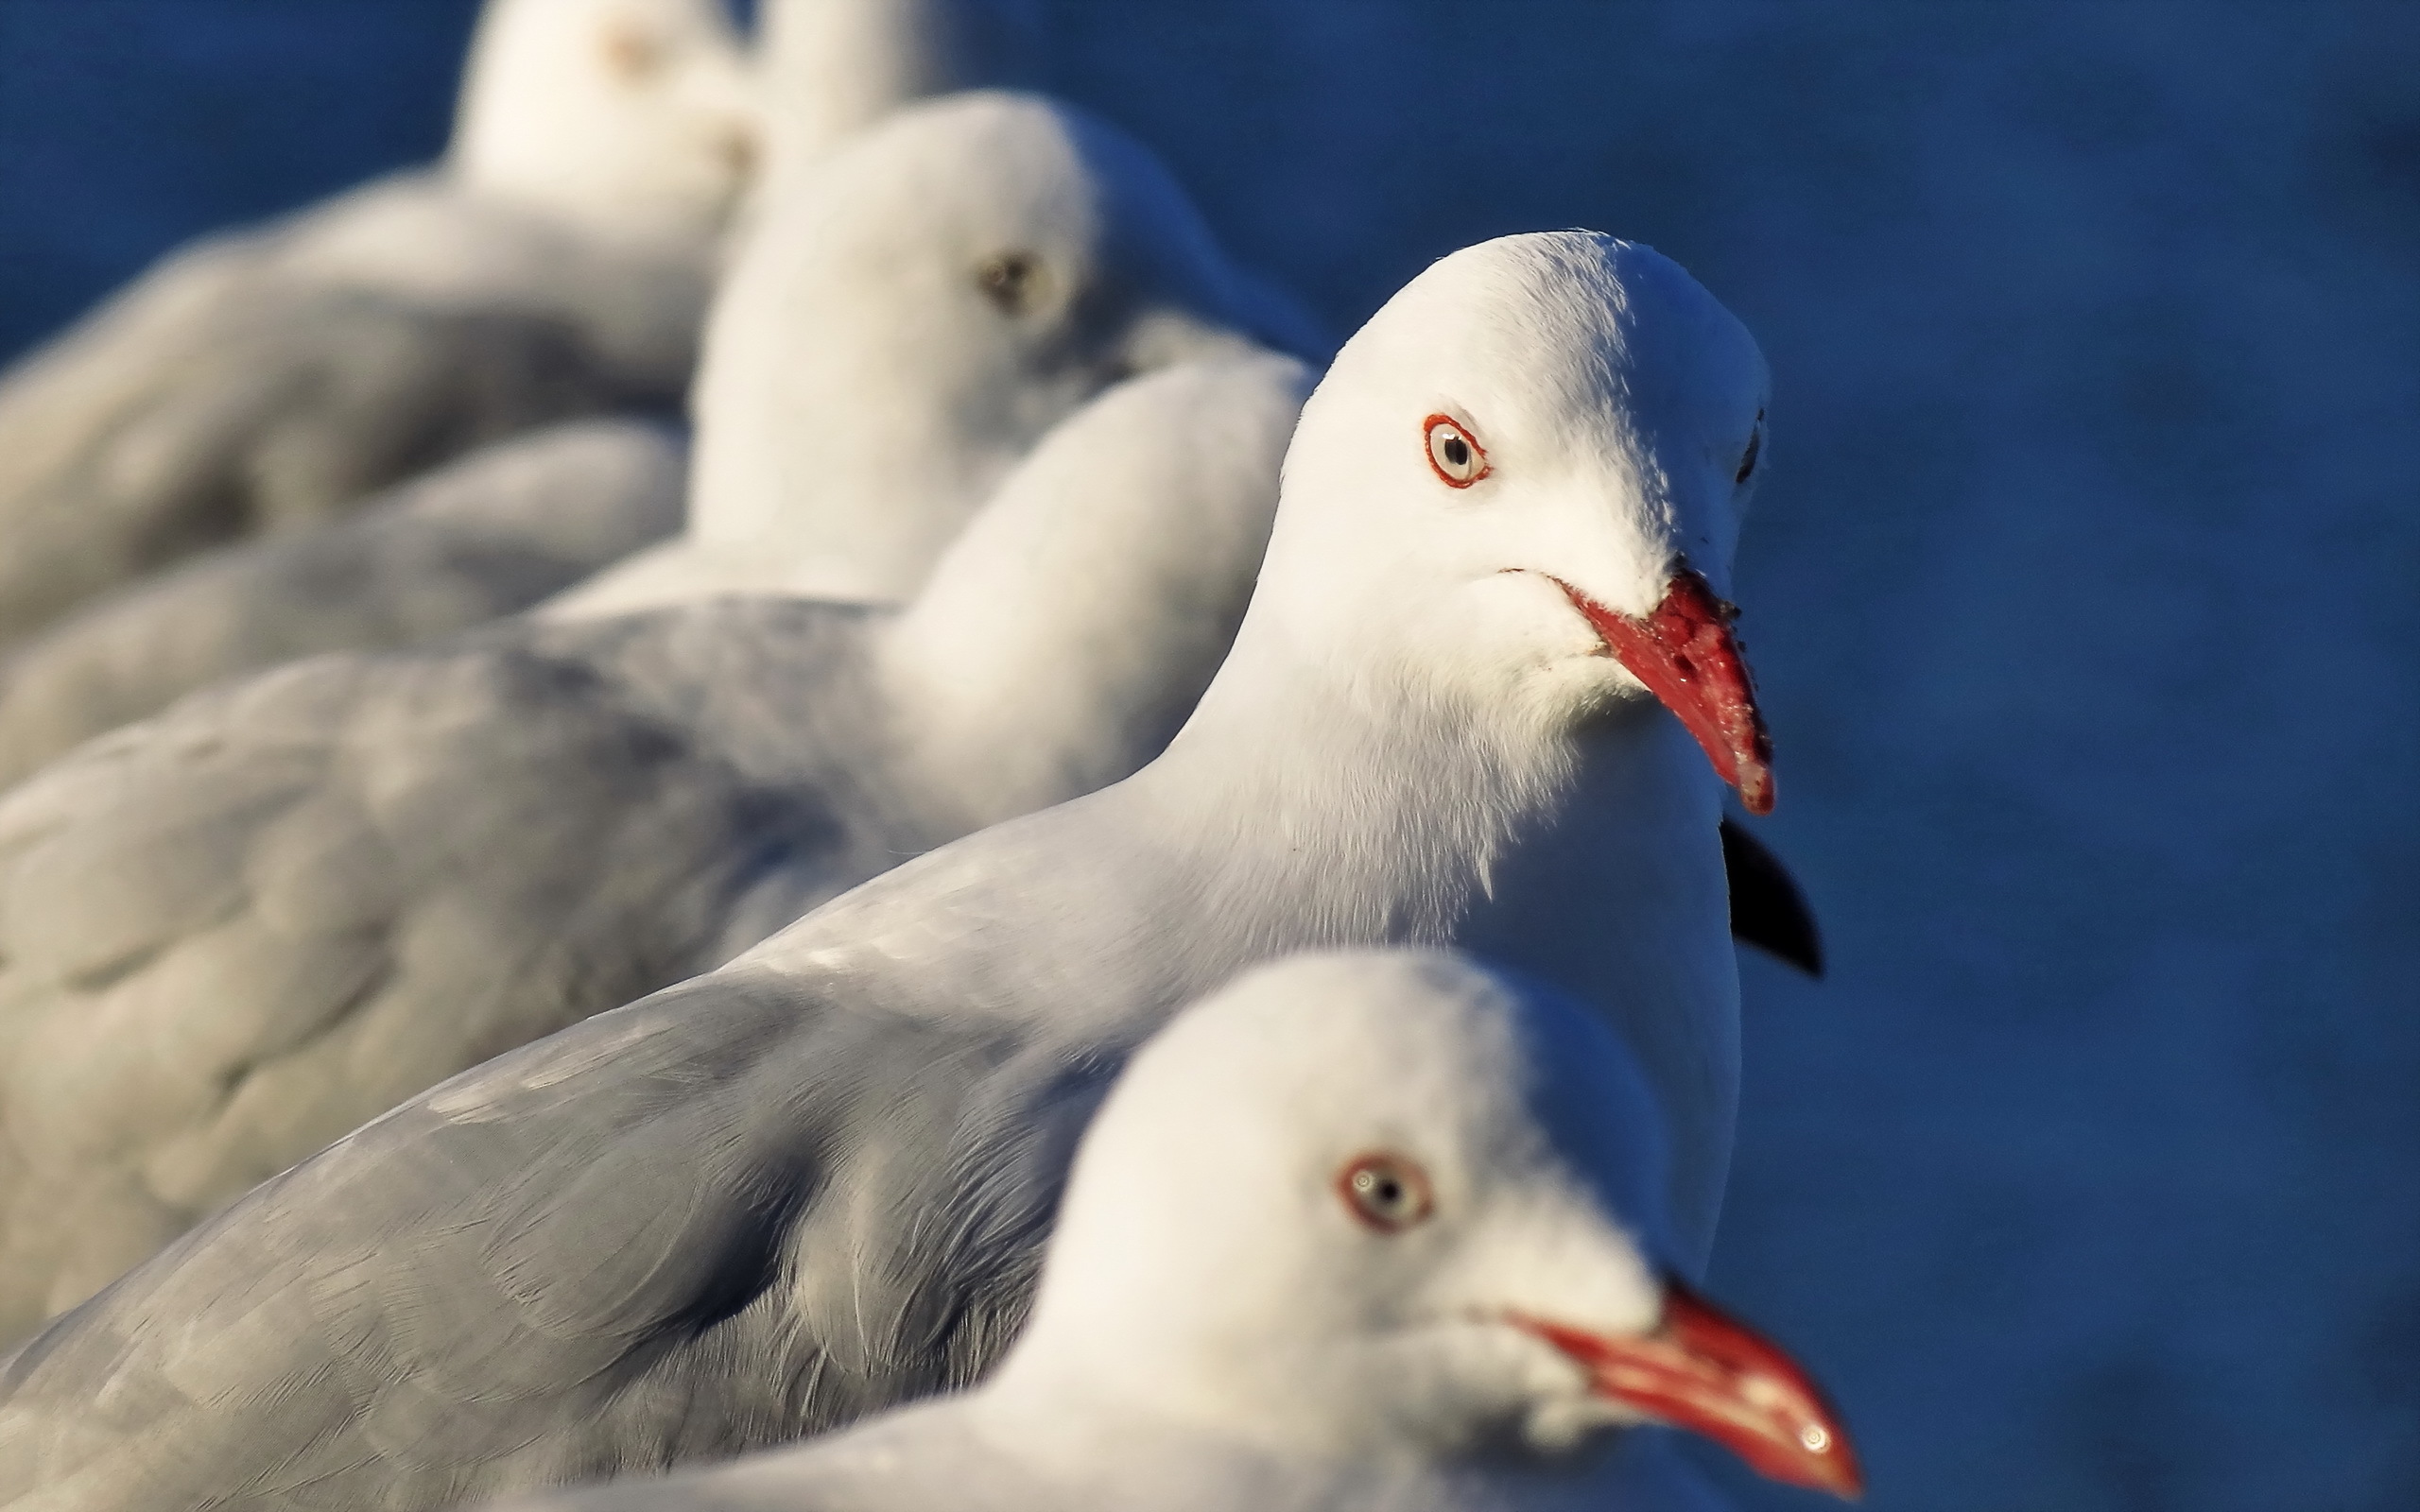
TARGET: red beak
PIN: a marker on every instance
(1686, 654)
(1713, 1374)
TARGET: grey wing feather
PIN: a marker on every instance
(230, 934)
(709, 1222)
(486, 536)
(223, 395)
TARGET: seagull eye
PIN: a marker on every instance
(1748, 459)
(1456, 458)
(1011, 281)
(1387, 1192)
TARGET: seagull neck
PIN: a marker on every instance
(796, 440)
(1379, 811)
(1067, 634)
(1067, 631)
(788, 524)
(793, 517)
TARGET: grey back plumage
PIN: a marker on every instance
(492, 533)
(231, 932)
(587, 1258)
(228, 393)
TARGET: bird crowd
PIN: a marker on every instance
(766, 796)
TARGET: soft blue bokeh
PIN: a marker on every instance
(2082, 591)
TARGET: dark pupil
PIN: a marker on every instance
(1748, 463)
(1385, 1191)
(1458, 454)
(1005, 279)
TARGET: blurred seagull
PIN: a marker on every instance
(486, 535)
(868, 382)
(1359, 1232)
(1485, 694)
(230, 934)
(557, 263)
(834, 67)
(960, 269)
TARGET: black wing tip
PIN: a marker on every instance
(1769, 909)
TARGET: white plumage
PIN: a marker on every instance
(1362, 1231)
(815, 1182)
(899, 331)
(835, 67)
(864, 392)
(240, 929)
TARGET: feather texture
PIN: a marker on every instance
(489, 535)
(817, 1180)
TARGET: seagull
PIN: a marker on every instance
(523, 518)
(1366, 1229)
(868, 308)
(971, 269)
(1486, 696)
(238, 930)
(832, 67)
(555, 264)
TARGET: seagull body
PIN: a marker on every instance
(813, 1183)
(487, 535)
(557, 263)
(1365, 1230)
(242, 929)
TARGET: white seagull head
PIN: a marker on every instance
(897, 337)
(1525, 476)
(1390, 1206)
(832, 67)
(627, 111)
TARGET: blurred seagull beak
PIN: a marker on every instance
(1712, 1375)
(1684, 652)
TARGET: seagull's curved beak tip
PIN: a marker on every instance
(1708, 1373)
(1685, 653)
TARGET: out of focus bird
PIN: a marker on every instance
(557, 263)
(869, 381)
(355, 876)
(834, 67)
(1486, 693)
(842, 472)
(486, 535)
(1361, 1231)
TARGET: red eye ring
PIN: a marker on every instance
(1386, 1192)
(1454, 453)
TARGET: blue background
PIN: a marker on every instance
(2081, 591)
